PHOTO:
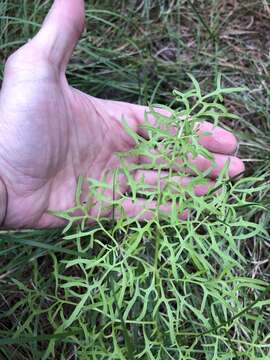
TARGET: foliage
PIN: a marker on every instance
(194, 288)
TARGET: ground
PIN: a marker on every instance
(139, 51)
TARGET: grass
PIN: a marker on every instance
(196, 289)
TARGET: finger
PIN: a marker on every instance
(145, 210)
(153, 181)
(158, 180)
(141, 209)
(217, 139)
(215, 167)
(200, 163)
(61, 30)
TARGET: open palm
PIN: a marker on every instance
(50, 133)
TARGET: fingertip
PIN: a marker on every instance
(236, 167)
(226, 139)
(217, 139)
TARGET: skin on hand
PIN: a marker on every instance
(51, 133)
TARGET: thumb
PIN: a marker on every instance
(61, 31)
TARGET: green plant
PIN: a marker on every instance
(165, 288)
(147, 51)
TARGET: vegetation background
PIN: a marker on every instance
(139, 51)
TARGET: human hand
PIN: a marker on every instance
(51, 133)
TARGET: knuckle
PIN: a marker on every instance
(29, 62)
(17, 57)
(11, 59)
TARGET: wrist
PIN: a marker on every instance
(3, 202)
